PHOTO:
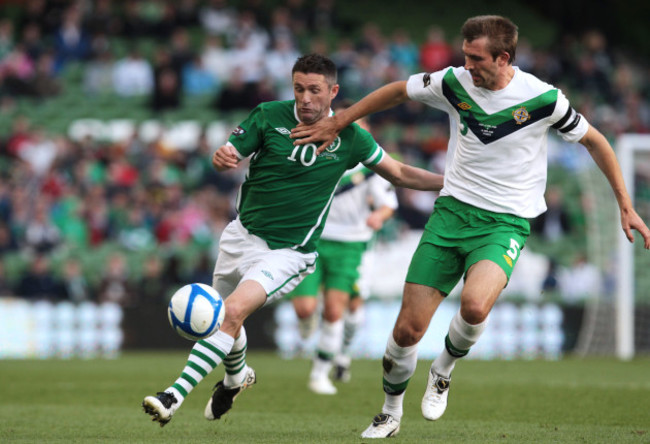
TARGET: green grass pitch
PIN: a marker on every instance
(98, 401)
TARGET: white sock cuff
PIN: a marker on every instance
(399, 352)
(354, 317)
(332, 328)
(241, 341)
(462, 334)
(222, 341)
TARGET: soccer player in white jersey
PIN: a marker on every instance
(362, 202)
(282, 207)
(494, 181)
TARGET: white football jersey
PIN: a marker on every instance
(497, 154)
(359, 192)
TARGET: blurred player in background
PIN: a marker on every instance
(495, 179)
(362, 202)
(282, 206)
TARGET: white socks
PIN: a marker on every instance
(460, 339)
(399, 365)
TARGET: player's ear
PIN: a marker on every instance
(334, 91)
(503, 59)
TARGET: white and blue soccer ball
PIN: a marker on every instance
(196, 311)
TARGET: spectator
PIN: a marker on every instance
(551, 283)
(435, 52)
(133, 75)
(181, 50)
(403, 51)
(5, 288)
(279, 62)
(151, 289)
(197, 80)
(167, 91)
(32, 41)
(71, 41)
(236, 94)
(580, 282)
(39, 281)
(133, 24)
(98, 74)
(6, 37)
(114, 285)
(8, 242)
(325, 19)
(218, 18)
(216, 58)
(280, 28)
(41, 235)
(202, 271)
(44, 83)
(74, 284)
(555, 223)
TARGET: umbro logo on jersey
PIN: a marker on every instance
(267, 274)
(284, 131)
(464, 106)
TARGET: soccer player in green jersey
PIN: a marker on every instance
(362, 202)
(495, 179)
(282, 206)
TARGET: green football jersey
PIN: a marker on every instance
(288, 189)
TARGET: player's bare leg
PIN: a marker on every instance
(329, 343)
(418, 307)
(485, 281)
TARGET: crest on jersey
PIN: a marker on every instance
(464, 106)
(239, 131)
(334, 146)
(520, 115)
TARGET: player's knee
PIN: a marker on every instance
(332, 313)
(304, 311)
(474, 311)
(407, 334)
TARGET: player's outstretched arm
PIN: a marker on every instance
(325, 130)
(225, 158)
(603, 154)
(377, 218)
(407, 176)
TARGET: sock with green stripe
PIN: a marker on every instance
(329, 345)
(460, 339)
(399, 365)
(205, 356)
(235, 362)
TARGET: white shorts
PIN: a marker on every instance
(244, 256)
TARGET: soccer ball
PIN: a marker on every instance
(196, 311)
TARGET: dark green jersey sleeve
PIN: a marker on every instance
(248, 137)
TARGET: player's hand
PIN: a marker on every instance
(324, 132)
(375, 221)
(630, 220)
(225, 158)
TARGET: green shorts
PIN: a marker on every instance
(457, 236)
(337, 267)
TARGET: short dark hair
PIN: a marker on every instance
(502, 34)
(316, 64)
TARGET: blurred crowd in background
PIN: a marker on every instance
(92, 220)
